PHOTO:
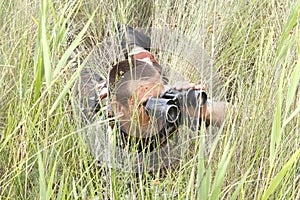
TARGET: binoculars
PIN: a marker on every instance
(173, 106)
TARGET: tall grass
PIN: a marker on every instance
(255, 52)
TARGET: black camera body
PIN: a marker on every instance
(177, 107)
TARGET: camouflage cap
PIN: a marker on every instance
(119, 70)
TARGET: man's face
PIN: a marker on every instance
(135, 120)
(139, 122)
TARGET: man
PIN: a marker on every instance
(130, 85)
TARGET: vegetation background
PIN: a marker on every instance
(253, 47)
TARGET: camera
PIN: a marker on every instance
(173, 107)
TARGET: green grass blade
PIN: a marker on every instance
(294, 82)
(203, 176)
(63, 61)
(38, 63)
(204, 188)
(61, 186)
(294, 113)
(52, 176)
(241, 183)
(42, 180)
(73, 46)
(291, 23)
(44, 43)
(221, 171)
(74, 189)
(276, 126)
(50, 182)
(280, 175)
(66, 89)
(190, 186)
(38, 77)
(69, 9)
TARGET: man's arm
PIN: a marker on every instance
(216, 112)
